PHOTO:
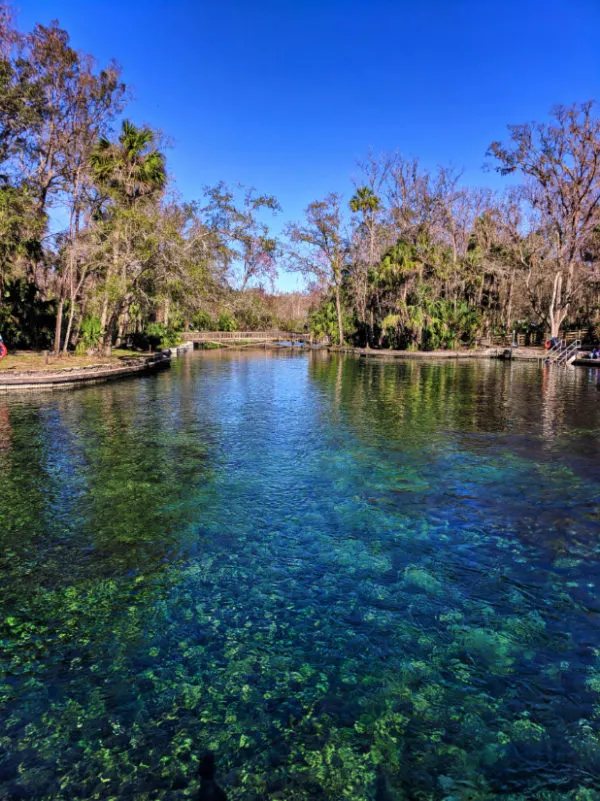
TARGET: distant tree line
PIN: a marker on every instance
(426, 262)
(96, 248)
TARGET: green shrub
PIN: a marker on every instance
(26, 320)
(323, 322)
(226, 322)
(202, 321)
(160, 336)
(90, 335)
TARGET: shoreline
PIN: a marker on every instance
(516, 354)
(75, 377)
(522, 353)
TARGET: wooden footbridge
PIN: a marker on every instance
(238, 338)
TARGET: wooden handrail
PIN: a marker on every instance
(533, 338)
(216, 336)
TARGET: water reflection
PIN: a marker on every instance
(349, 579)
(5, 428)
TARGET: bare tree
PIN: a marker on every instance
(319, 247)
(560, 162)
(247, 246)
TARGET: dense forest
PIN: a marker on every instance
(97, 249)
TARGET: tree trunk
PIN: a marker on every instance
(508, 307)
(112, 269)
(77, 331)
(554, 316)
(104, 315)
(121, 329)
(371, 264)
(75, 292)
(107, 341)
(123, 322)
(69, 326)
(338, 306)
(480, 292)
(58, 329)
(72, 260)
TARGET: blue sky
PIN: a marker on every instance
(286, 96)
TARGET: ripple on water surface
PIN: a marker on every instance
(349, 579)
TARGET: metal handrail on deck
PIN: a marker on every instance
(569, 353)
(561, 353)
(553, 353)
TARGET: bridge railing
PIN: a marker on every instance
(534, 338)
(229, 336)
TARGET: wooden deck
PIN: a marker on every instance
(582, 361)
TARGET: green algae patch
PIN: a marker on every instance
(423, 580)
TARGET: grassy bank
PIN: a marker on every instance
(32, 361)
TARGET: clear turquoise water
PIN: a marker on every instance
(349, 579)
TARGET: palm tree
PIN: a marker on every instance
(364, 200)
(397, 265)
(129, 172)
(367, 202)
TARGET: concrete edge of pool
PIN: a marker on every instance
(72, 378)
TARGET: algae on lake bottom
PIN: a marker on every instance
(347, 579)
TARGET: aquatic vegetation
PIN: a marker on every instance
(178, 579)
(421, 578)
